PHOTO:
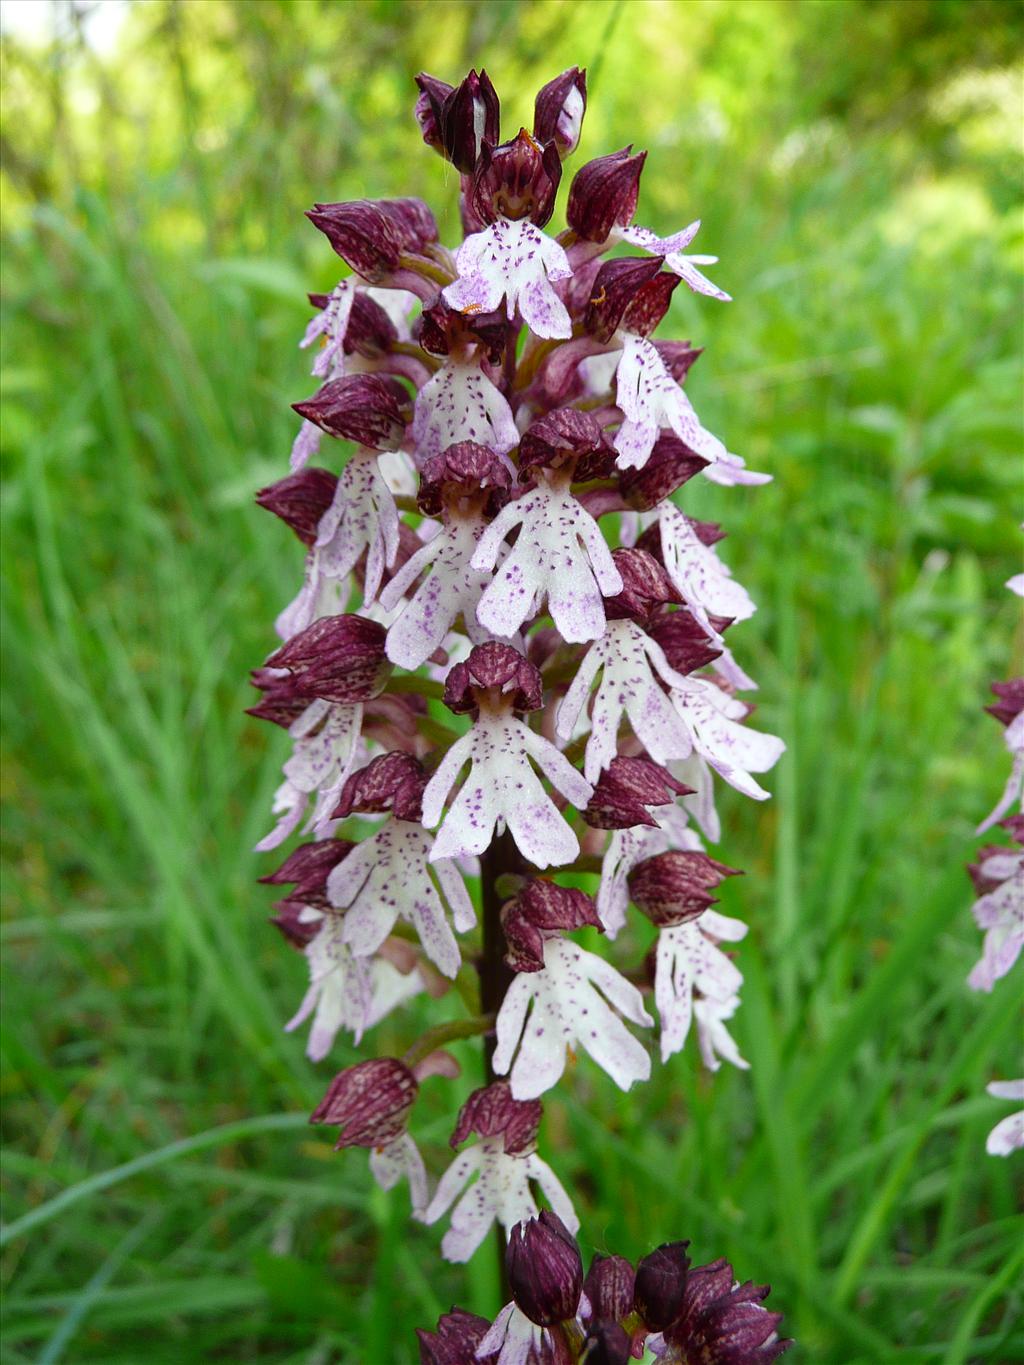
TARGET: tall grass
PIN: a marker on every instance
(167, 1202)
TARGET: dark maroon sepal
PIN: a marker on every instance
(463, 470)
(670, 464)
(370, 1102)
(609, 1287)
(545, 1272)
(337, 659)
(679, 357)
(440, 330)
(684, 641)
(291, 924)
(617, 285)
(645, 586)
(674, 887)
(370, 331)
(603, 194)
(371, 235)
(1011, 700)
(558, 110)
(1014, 826)
(308, 866)
(300, 500)
(518, 179)
(540, 909)
(393, 782)
(660, 1285)
(458, 1335)
(566, 438)
(625, 790)
(492, 1112)
(493, 667)
(723, 1322)
(368, 408)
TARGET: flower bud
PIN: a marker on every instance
(463, 470)
(300, 500)
(455, 120)
(661, 1284)
(674, 887)
(568, 438)
(609, 1287)
(493, 667)
(454, 1343)
(545, 1272)
(337, 659)
(369, 1102)
(645, 586)
(603, 194)
(540, 909)
(1011, 700)
(372, 235)
(617, 284)
(558, 111)
(670, 464)
(367, 408)
(393, 781)
(606, 1344)
(624, 791)
(519, 179)
(491, 1112)
(684, 640)
(433, 94)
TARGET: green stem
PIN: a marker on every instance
(447, 1033)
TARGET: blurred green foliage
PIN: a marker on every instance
(857, 165)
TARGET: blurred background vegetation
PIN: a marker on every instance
(857, 165)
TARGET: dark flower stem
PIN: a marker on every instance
(495, 976)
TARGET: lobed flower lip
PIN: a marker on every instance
(604, 193)
(392, 781)
(369, 1102)
(491, 1111)
(558, 110)
(336, 659)
(676, 886)
(493, 667)
(625, 790)
(545, 1272)
(541, 909)
(367, 408)
(300, 500)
